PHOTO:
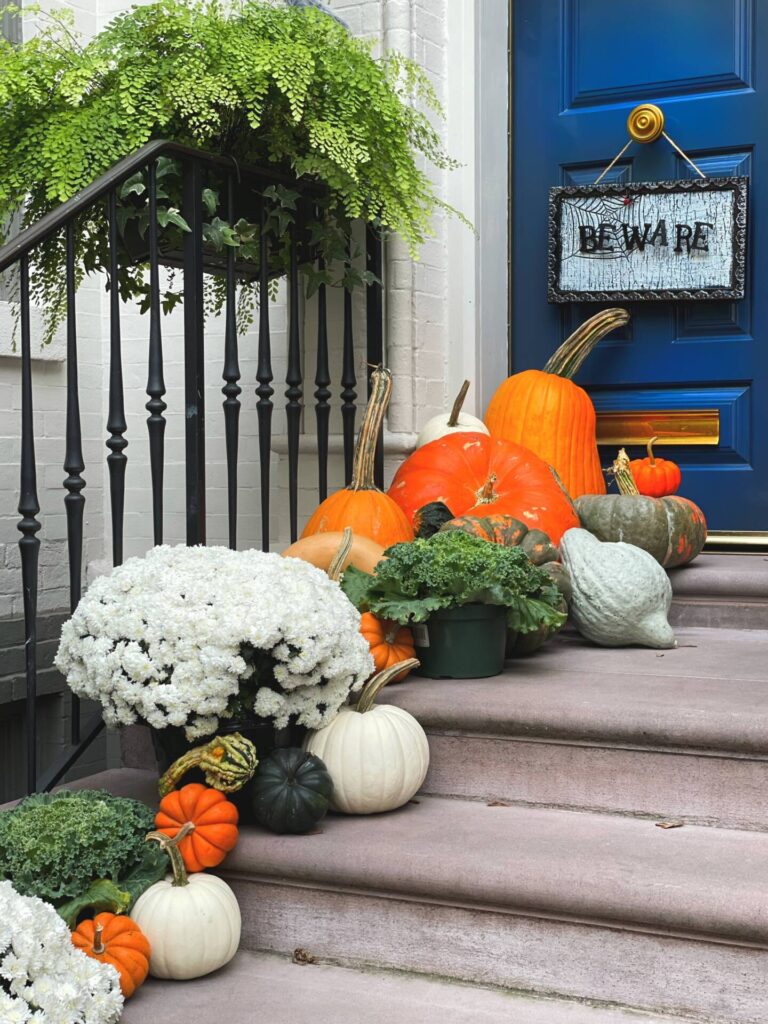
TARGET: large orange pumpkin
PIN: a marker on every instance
(477, 475)
(361, 505)
(214, 820)
(545, 411)
(116, 940)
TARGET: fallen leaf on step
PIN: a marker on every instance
(669, 824)
(659, 655)
(498, 803)
(303, 956)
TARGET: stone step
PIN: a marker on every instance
(681, 733)
(579, 905)
(722, 590)
(284, 992)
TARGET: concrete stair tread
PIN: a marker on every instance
(720, 576)
(268, 987)
(710, 693)
(540, 861)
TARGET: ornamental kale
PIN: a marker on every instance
(453, 569)
(80, 849)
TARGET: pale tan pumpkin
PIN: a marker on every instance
(321, 550)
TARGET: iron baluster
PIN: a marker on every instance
(264, 376)
(155, 380)
(374, 313)
(294, 391)
(231, 376)
(29, 544)
(348, 387)
(194, 356)
(322, 392)
(74, 483)
(116, 424)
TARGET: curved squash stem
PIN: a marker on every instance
(486, 493)
(374, 686)
(649, 449)
(453, 419)
(567, 360)
(365, 449)
(336, 568)
(623, 474)
(98, 946)
(171, 847)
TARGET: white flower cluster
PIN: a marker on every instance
(44, 978)
(168, 639)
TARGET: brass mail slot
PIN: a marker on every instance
(670, 426)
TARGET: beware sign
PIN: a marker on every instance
(648, 240)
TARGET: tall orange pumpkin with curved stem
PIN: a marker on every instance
(361, 505)
(545, 411)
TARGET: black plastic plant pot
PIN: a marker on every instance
(462, 643)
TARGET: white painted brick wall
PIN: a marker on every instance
(418, 346)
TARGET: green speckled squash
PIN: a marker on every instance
(291, 791)
(672, 529)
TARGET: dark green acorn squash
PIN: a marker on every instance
(291, 791)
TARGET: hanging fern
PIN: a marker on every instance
(268, 84)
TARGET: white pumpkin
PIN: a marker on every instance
(192, 922)
(621, 595)
(376, 754)
(454, 422)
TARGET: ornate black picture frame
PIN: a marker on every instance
(605, 204)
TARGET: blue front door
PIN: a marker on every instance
(579, 67)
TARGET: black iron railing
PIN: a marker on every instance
(19, 255)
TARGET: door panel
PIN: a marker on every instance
(579, 67)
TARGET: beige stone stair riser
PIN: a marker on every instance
(714, 614)
(708, 980)
(714, 788)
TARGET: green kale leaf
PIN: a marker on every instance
(452, 569)
(79, 848)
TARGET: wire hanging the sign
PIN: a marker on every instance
(646, 124)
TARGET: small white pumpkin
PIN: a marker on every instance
(192, 922)
(454, 422)
(377, 754)
(621, 595)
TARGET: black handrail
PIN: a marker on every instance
(52, 222)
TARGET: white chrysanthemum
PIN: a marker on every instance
(43, 976)
(167, 639)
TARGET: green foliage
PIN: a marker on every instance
(270, 85)
(453, 569)
(79, 849)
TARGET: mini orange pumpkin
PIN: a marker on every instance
(390, 642)
(655, 477)
(116, 940)
(213, 819)
(362, 506)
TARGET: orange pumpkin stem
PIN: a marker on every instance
(453, 419)
(98, 945)
(567, 360)
(365, 449)
(486, 494)
(649, 449)
(623, 474)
